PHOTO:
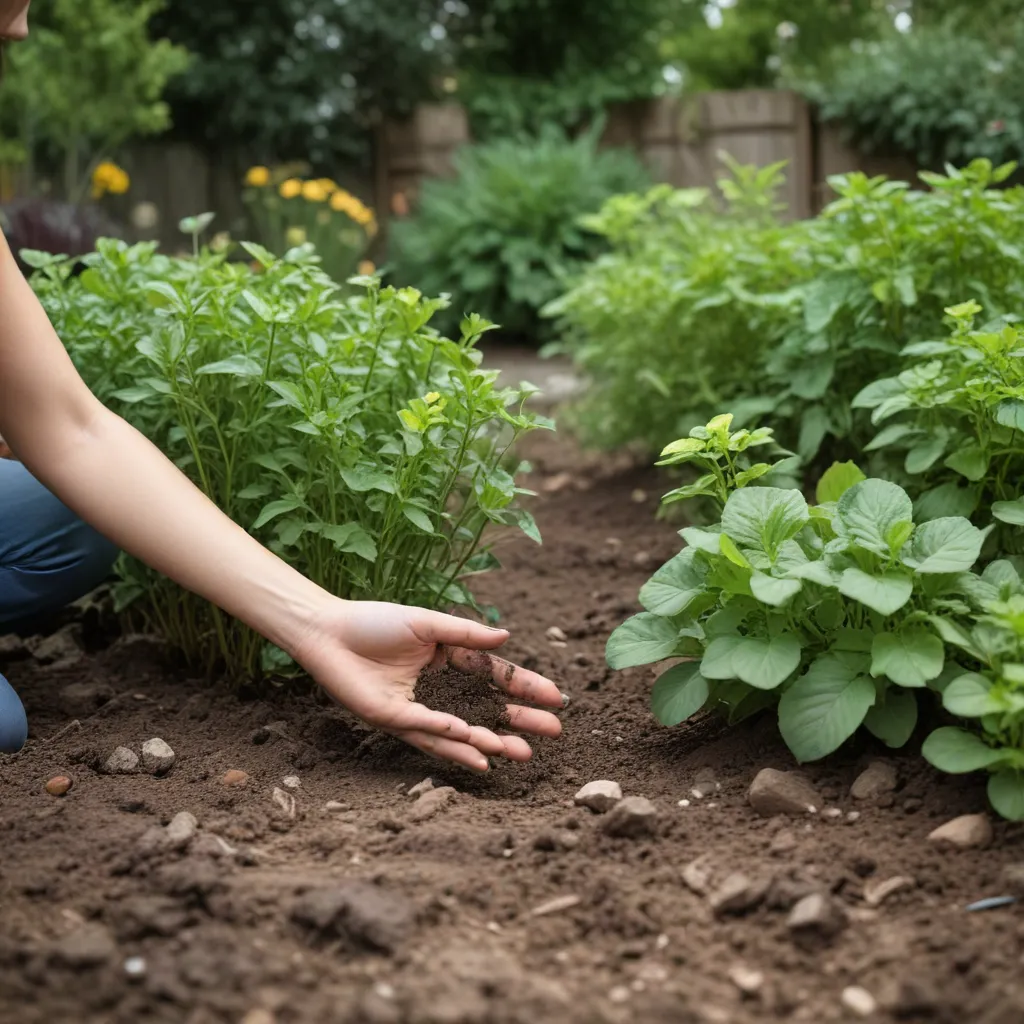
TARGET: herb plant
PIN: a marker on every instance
(340, 429)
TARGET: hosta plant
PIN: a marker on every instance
(340, 429)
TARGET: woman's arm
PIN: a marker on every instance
(109, 474)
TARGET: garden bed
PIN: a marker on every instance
(109, 920)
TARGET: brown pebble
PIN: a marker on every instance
(235, 778)
(59, 785)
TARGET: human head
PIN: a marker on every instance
(14, 19)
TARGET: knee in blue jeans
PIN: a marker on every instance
(13, 723)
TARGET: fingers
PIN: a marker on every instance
(515, 681)
(447, 750)
(451, 631)
(534, 721)
(418, 717)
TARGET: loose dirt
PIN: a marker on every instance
(346, 900)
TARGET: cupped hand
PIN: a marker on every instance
(368, 656)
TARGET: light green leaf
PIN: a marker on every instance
(417, 517)
(886, 593)
(970, 696)
(824, 708)
(958, 752)
(949, 544)
(765, 663)
(675, 585)
(773, 591)
(870, 509)
(259, 306)
(923, 456)
(1010, 413)
(717, 660)
(641, 640)
(911, 657)
(238, 365)
(814, 572)
(277, 508)
(703, 540)
(732, 552)
(814, 425)
(945, 500)
(890, 435)
(137, 393)
(366, 478)
(1011, 512)
(679, 694)
(894, 721)
(970, 462)
(837, 480)
(351, 537)
(762, 518)
(1006, 794)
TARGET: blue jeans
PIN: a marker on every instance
(48, 558)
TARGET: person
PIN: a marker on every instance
(86, 484)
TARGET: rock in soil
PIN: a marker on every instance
(876, 893)
(59, 785)
(235, 778)
(599, 796)
(61, 647)
(121, 761)
(910, 999)
(631, 818)
(157, 756)
(180, 830)
(89, 946)
(697, 875)
(747, 980)
(859, 1001)
(363, 914)
(420, 788)
(12, 648)
(773, 792)
(1013, 879)
(472, 697)
(877, 779)
(816, 917)
(82, 700)
(738, 894)
(556, 633)
(431, 802)
(969, 831)
(291, 782)
(556, 906)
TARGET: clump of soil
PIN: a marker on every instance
(473, 698)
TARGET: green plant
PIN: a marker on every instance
(505, 232)
(955, 419)
(341, 430)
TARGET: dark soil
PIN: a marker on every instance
(359, 904)
(470, 697)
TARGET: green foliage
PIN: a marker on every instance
(505, 233)
(341, 430)
(695, 308)
(80, 90)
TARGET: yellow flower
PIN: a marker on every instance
(329, 185)
(342, 201)
(295, 237)
(314, 192)
(257, 177)
(290, 188)
(108, 177)
(431, 398)
(367, 268)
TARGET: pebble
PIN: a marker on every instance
(431, 802)
(639, 496)
(738, 894)
(59, 785)
(817, 916)
(285, 801)
(135, 967)
(1013, 878)
(61, 647)
(556, 633)
(180, 830)
(879, 777)
(783, 842)
(852, 817)
(969, 831)
(773, 792)
(157, 756)
(259, 1016)
(875, 894)
(235, 778)
(833, 814)
(121, 761)
(631, 818)
(748, 981)
(420, 788)
(619, 994)
(334, 806)
(88, 946)
(359, 911)
(600, 796)
(697, 875)
(556, 906)
(291, 782)
(859, 1001)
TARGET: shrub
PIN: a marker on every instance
(342, 431)
(504, 233)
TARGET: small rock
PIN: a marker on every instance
(969, 831)
(431, 802)
(135, 967)
(209, 844)
(556, 483)
(59, 785)
(876, 893)
(912, 805)
(748, 981)
(362, 913)
(599, 796)
(235, 778)
(555, 633)
(785, 892)
(852, 817)
(631, 818)
(259, 1015)
(859, 1001)
(284, 801)
(89, 946)
(639, 496)
(738, 894)
(121, 761)
(82, 700)
(180, 830)
(334, 806)
(879, 777)
(816, 916)
(697, 875)
(783, 842)
(157, 756)
(773, 792)
(556, 906)
(291, 782)
(12, 648)
(909, 999)
(642, 559)
(619, 994)
(833, 814)
(420, 788)
(61, 647)
(1013, 879)
(555, 841)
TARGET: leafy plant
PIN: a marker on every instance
(341, 430)
(505, 232)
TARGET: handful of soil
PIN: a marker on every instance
(473, 698)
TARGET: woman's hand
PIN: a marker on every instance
(5, 451)
(368, 656)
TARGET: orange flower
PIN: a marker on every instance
(367, 268)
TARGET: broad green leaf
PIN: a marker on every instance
(773, 591)
(954, 634)
(729, 618)
(253, 491)
(970, 462)
(525, 521)
(814, 425)
(886, 592)
(277, 508)
(675, 585)
(641, 640)
(732, 552)
(1006, 794)
(945, 500)
(1003, 575)
(814, 572)
(924, 455)
(417, 517)
(1010, 413)
(837, 480)
(747, 476)
(717, 660)
(765, 663)
(1011, 512)
(911, 657)
(687, 446)
(762, 518)
(811, 378)
(137, 393)
(958, 752)
(351, 537)
(258, 305)
(890, 435)
(824, 708)
(238, 365)
(870, 509)
(970, 696)
(949, 544)
(679, 694)
(894, 721)
(703, 540)
(366, 478)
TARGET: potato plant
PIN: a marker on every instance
(337, 426)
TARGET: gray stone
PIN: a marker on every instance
(61, 647)
(969, 831)
(783, 842)
(816, 916)
(556, 634)
(784, 893)
(600, 796)
(773, 792)
(877, 779)
(180, 831)
(738, 894)
(697, 875)
(89, 946)
(291, 782)
(859, 1001)
(631, 818)
(431, 802)
(364, 914)
(157, 756)
(121, 761)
